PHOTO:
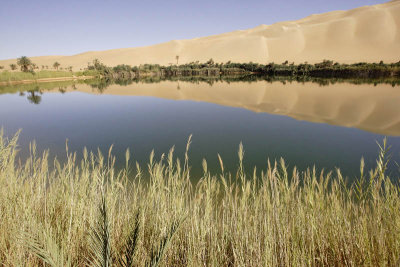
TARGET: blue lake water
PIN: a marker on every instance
(157, 116)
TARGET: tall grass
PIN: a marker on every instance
(64, 214)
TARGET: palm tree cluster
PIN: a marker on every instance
(25, 63)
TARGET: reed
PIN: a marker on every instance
(88, 213)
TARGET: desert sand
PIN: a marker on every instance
(367, 34)
(366, 107)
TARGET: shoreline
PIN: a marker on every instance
(324, 70)
(43, 80)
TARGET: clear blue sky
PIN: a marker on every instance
(59, 27)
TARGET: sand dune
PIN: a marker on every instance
(368, 34)
(366, 107)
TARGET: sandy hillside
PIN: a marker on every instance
(369, 33)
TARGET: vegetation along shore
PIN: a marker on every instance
(325, 69)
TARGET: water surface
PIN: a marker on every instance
(305, 123)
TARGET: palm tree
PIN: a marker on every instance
(13, 66)
(25, 63)
(210, 62)
(177, 59)
(56, 65)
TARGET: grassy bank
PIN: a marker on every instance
(79, 212)
(11, 76)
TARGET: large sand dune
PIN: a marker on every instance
(368, 34)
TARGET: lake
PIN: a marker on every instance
(307, 124)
